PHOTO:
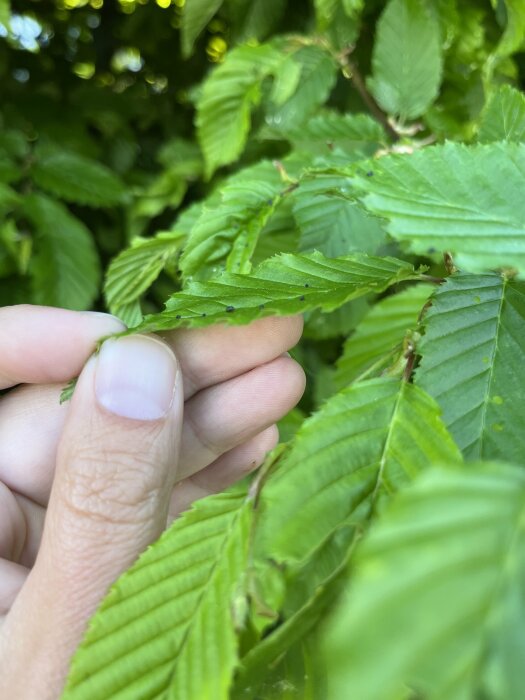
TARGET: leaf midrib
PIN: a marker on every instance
(492, 366)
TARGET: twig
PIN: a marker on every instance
(375, 110)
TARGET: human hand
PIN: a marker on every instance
(86, 486)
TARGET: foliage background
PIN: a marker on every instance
(147, 148)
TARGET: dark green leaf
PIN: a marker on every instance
(65, 268)
(76, 178)
(195, 17)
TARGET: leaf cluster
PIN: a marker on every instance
(362, 164)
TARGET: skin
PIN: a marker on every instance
(84, 489)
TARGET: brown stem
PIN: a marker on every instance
(373, 107)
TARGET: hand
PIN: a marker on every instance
(86, 486)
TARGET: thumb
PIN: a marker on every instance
(115, 470)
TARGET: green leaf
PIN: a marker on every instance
(330, 221)
(318, 76)
(165, 190)
(365, 442)
(65, 268)
(135, 269)
(228, 95)
(195, 17)
(503, 118)
(256, 18)
(5, 12)
(514, 35)
(166, 628)
(407, 61)
(330, 133)
(75, 178)
(463, 199)
(382, 330)
(229, 232)
(471, 363)
(286, 80)
(341, 27)
(304, 595)
(8, 199)
(443, 569)
(283, 285)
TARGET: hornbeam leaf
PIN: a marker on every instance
(5, 12)
(228, 232)
(472, 363)
(228, 94)
(75, 178)
(330, 133)
(65, 269)
(325, 578)
(166, 628)
(131, 273)
(195, 17)
(437, 592)
(255, 19)
(318, 76)
(512, 39)
(365, 442)
(283, 285)
(464, 199)
(407, 61)
(380, 332)
(503, 119)
(330, 221)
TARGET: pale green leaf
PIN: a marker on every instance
(503, 118)
(75, 178)
(407, 61)
(195, 17)
(166, 628)
(330, 221)
(65, 269)
(464, 199)
(365, 442)
(437, 594)
(228, 95)
(129, 313)
(283, 285)
(353, 7)
(472, 363)
(318, 75)
(229, 231)
(514, 35)
(5, 12)
(286, 80)
(165, 190)
(135, 269)
(381, 332)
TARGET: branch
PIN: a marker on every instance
(351, 71)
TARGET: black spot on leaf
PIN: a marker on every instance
(230, 309)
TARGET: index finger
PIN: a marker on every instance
(44, 345)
